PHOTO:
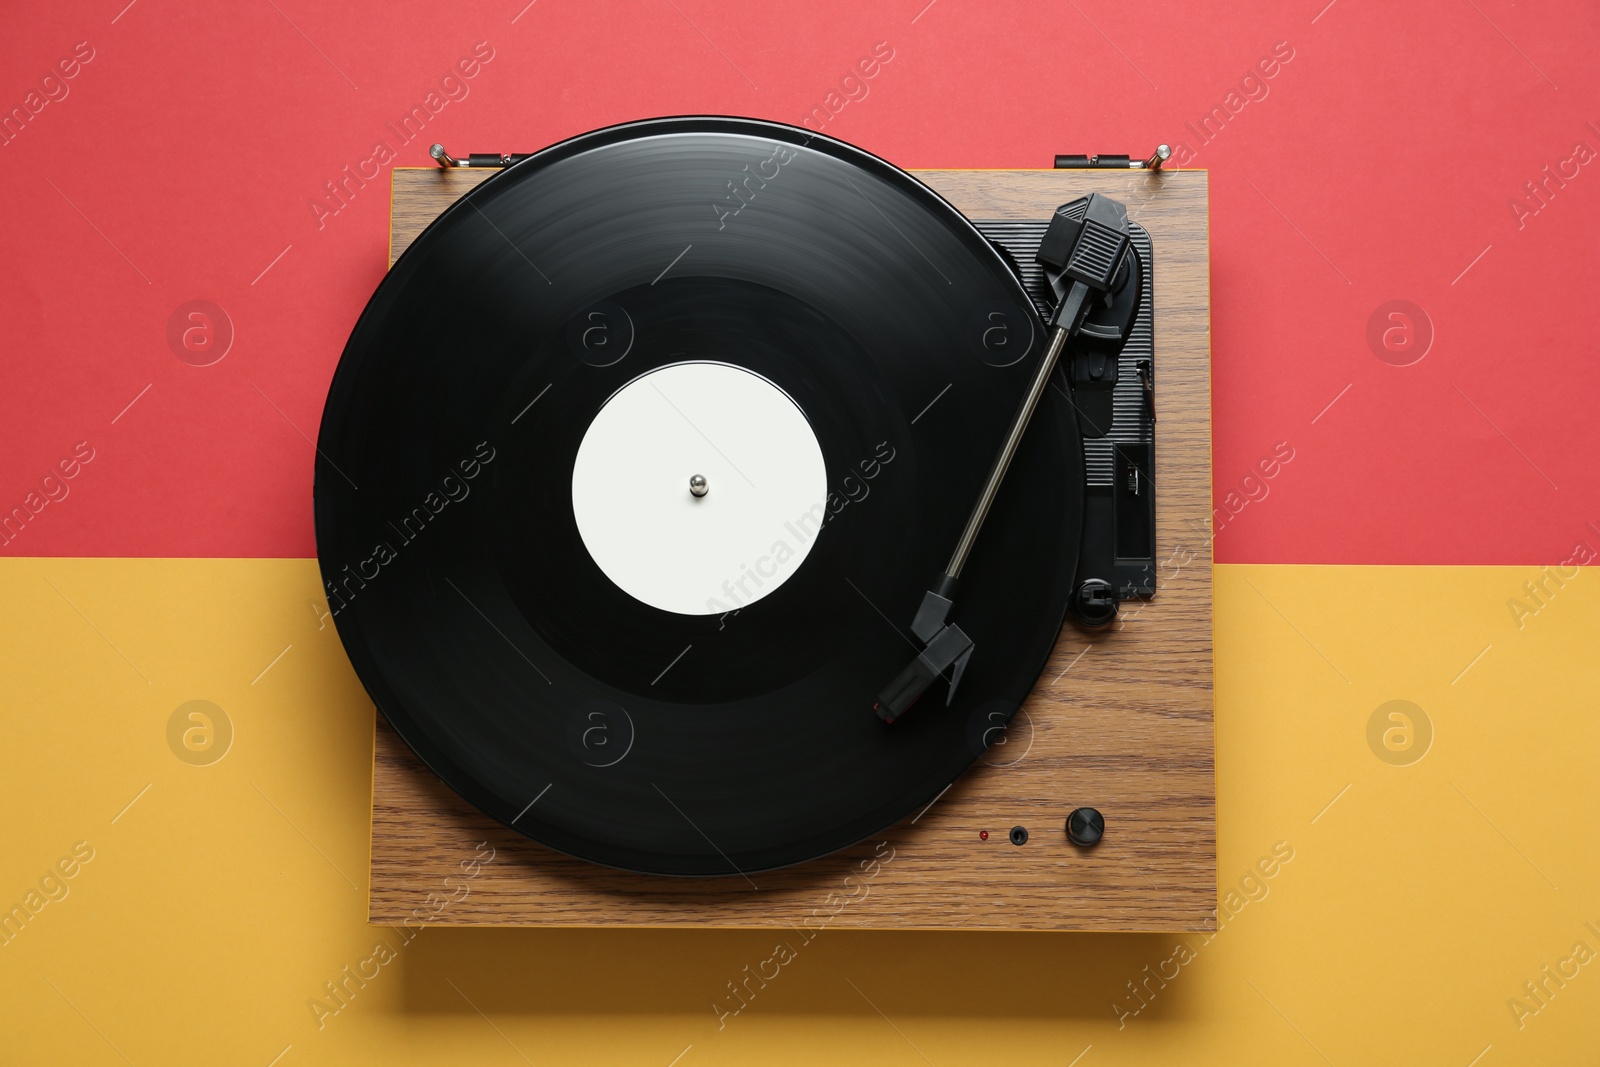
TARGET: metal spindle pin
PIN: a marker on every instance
(698, 486)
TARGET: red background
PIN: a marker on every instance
(1381, 163)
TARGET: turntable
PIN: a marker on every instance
(735, 530)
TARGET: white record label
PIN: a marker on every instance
(766, 488)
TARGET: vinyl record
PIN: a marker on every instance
(576, 642)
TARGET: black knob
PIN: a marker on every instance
(1019, 835)
(1085, 826)
(1094, 604)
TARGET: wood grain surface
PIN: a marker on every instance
(1120, 720)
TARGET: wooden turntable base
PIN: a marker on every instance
(1120, 721)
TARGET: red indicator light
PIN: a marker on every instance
(983, 835)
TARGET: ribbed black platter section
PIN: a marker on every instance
(469, 605)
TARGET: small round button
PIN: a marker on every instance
(1085, 826)
(1019, 835)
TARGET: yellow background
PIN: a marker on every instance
(221, 900)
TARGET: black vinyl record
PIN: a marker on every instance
(484, 630)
